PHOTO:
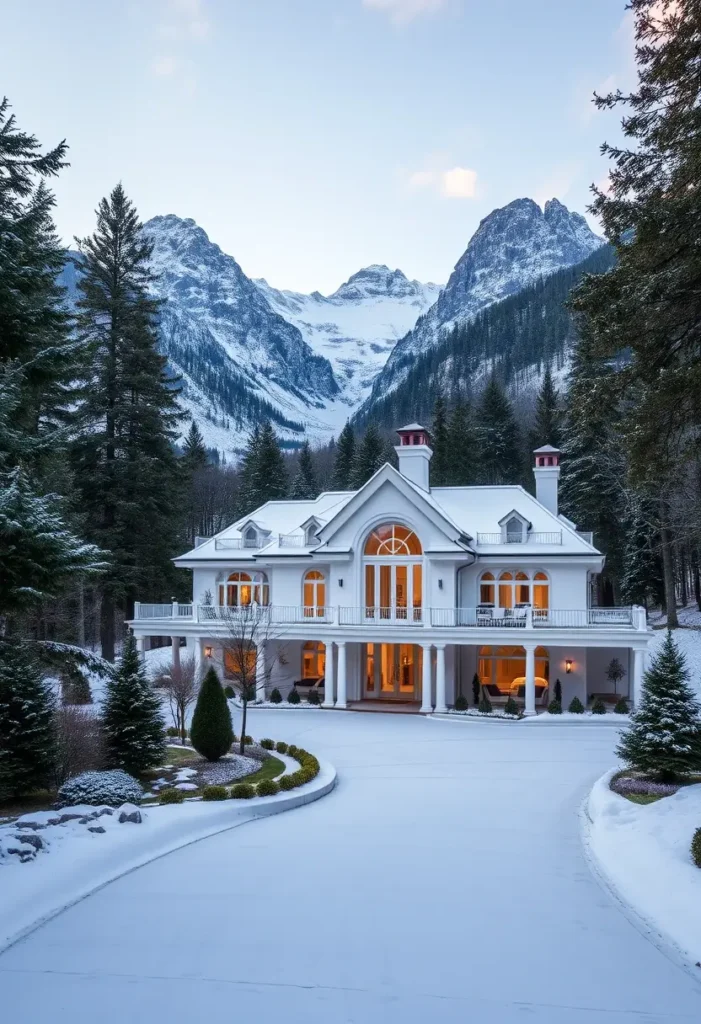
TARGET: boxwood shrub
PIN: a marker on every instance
(171, 796)
(621, 707)
(267, 744)
(268, 787)
(598, 707)
(696, 848)
(287, 782)
(555, 707)
(275, 696)
(243, 791)
(293, 696)
(281, 747)
(576, 707)
(461, 702)
(313, 696)
(114, 787)
(511, 707)
(214, 793)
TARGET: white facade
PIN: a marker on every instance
(402, 592)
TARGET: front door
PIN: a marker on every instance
(392, 671)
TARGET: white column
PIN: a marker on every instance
(329, 696)
(440, 678)
(260, 671)
(141, 647)
(199, 658)
(341, 696)
(426, 679)
(638, 670)
(530, 679)
(175, 643)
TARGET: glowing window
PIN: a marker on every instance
(392, 539)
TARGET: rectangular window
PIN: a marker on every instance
(487, 593)
(416, 599)
(506, 595)
(369, 591)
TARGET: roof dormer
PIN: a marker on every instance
(253, 534)
(311, 529)
(514, 528)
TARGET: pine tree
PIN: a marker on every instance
(194, 455)
(641, 578)
(211, 732)
(249, 498)
(664, 740)
(500, 451)
(305, 483)
(34, 325)
(345, 460)
(370, 455)
(131, 716)
(126, 470)
(547, 429)
(27, 706)
(463, 466)
(440, 462)
(271, 472)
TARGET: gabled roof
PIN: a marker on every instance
(511, 514)
(411, 426)
(412, 492)
(545, 449)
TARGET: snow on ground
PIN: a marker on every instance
(443, 880)
(643, 849)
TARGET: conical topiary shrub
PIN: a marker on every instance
(554, 707)
(132, 717)
(576, 707)
(460, 703)
(476, 689)
(621, 707)
(598, 707)
(511, 707)
(211, 733)
(485, 705)
(664, 740)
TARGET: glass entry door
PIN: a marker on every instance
(393, 591)
(392, 671)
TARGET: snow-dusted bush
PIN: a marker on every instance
(112, 788)
(554, 707)
(576, 707)
(461, 702)
(171, 796)
(293, 696)
(275, 696)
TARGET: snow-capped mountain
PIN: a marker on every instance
(512, 248)
(357, 326)
(239, 359)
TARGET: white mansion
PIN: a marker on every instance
(400, 592)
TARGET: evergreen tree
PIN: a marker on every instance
(546, 429)
(305, 483)
(440, 442)
(250, 482)
(27, 706)
(211, 732)
(194, 455)
(131, 716)
(641, 578)
(272, 475)
(344, 462)
(126, 470)
(664, 740)
(463, 465)
(34, 326)
(593, 467)
(500, 452)
(371, 454)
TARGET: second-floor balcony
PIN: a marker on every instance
(481, 617)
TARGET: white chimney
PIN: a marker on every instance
(547, 474)
(414, 454)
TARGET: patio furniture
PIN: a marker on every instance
(485, 613)
(541, 690)
(496, 696)
(303, 686)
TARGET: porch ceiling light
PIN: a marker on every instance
(568, 666)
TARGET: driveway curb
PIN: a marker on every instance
(58, 894)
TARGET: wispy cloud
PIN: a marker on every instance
(454, 183)
(402, 11)
(164, 67)
(557, 184)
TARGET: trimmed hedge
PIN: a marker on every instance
(576, 707)
(461, 703)
(281, 747)
(275, 696)
(621, 707)
(511, 707)
(485, 705)
(696, 848)
(555, 707)
(313, 697)
(214, 793)
(293, 696)
(243, 791)
(268, 787)
(267, 744)
(598, 707)
(171, 796)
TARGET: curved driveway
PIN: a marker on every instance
(443, 881)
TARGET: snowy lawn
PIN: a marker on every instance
(644, 851)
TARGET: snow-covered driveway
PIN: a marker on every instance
(443, 881)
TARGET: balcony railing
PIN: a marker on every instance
(292, 540)
(486, 539)
(237, 543)
(476, 618)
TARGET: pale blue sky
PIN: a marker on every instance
(312, 137)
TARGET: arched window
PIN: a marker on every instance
(313, 659)
(244, 588)
(392, 539)
(515, 589)
(314, 594)
(514, 531)
(393, 574)
(505, 668)
(250, 537)
(487, 589)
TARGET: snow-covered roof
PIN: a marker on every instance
(411, 426)
(466, 511)
(545, 449)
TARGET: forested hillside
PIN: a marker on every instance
(528, 331)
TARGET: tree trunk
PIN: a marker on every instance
(697, 583)
(81, 614)
(682, 572)
(107, 633)
(669, 585)
(242, 746)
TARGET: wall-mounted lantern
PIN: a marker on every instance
(568, 666)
